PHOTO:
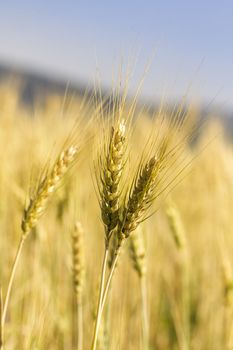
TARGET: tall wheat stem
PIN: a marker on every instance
(1, 328)
(11, 280)
(80, 326)
(109, 280)
(101, 291)
(77, 325)
(103, 295)
(178, 232)
(78, 280)
(186, 299)
(145, 324)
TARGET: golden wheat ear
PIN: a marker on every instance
(111, 165)
(46, 188)
(163, 161)
(140, 198)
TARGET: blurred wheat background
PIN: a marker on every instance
(72, 152)
(186, 246)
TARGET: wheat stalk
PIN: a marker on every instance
(78, 277)
(1, 325)
(178, 233)
(227, 277)
(102, 341)
(37, 207)
(228, 294)
(78, 261)
(137, 254)
(111, 173)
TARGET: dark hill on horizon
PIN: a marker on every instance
(36, 86)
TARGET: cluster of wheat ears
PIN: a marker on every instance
(131, 180)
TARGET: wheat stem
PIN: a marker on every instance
(110, 276)
(145, 323)
(137, 254)
(228, 296)
(80, 327)
(178, 232)
(1, 326)
(78, 280)
(11, 280)
(100, 300)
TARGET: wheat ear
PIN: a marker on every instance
(36, 208)
(140, 198)
(111, 177)
(46, 188)
(78, 278)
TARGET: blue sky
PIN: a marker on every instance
(190, 42)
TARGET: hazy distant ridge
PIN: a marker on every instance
(36, 86)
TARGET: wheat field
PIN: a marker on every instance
(172, 286)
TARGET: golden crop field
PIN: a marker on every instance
(84, 179)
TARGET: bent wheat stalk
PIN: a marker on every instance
(37, 207)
